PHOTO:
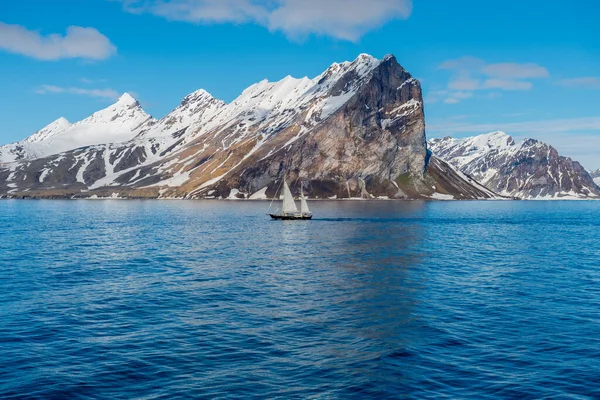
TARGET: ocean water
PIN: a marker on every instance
(209, 299)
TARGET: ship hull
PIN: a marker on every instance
(290, 217)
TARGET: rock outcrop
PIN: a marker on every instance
(356, 130)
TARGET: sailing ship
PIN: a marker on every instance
(288, 207)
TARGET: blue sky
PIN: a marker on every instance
(530, 68)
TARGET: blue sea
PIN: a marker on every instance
(370, 299)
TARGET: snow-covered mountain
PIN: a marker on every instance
(46, 133)
(596, 176)
(356, 130)
(529, 169)
(31, 147)
(119, 122)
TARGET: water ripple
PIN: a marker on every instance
(153, 300)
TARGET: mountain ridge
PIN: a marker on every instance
(119, 122)
(529, 169)
(355, 130)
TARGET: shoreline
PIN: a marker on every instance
(269, 200)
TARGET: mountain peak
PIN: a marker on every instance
(496, 139)
(123, 115)
(126, 99)
(61, 121)
(199, 94)
(365, 56)
(194, 100)
(55, 127)
(496, 134)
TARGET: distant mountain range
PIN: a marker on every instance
(596, 176)
(355, 131)
(529, 169)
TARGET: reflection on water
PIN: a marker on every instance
(362, 281)
(369, 299)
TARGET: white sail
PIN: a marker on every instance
(303, 204)
(289, 206)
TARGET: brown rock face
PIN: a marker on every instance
(357, 130)
(361, 149)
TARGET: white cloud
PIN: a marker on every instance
(585, 82)
(518, 114)
(202, 11)
(341, 19)
(447, 96)
(78, 42)
(108, 94)
(515, 71)
(464, 83)
(474, 74)
(434, 96)
(506, 84)
(451, 100)
(456, 97)
(89, 81)
(462, 95)
(463, 63)
(494, 95)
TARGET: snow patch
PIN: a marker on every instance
(232, 194)
(44, 174)
(442, 196)
(259, 195)
(333, 103)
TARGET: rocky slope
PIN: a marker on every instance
(529, 169)
(356, 130)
